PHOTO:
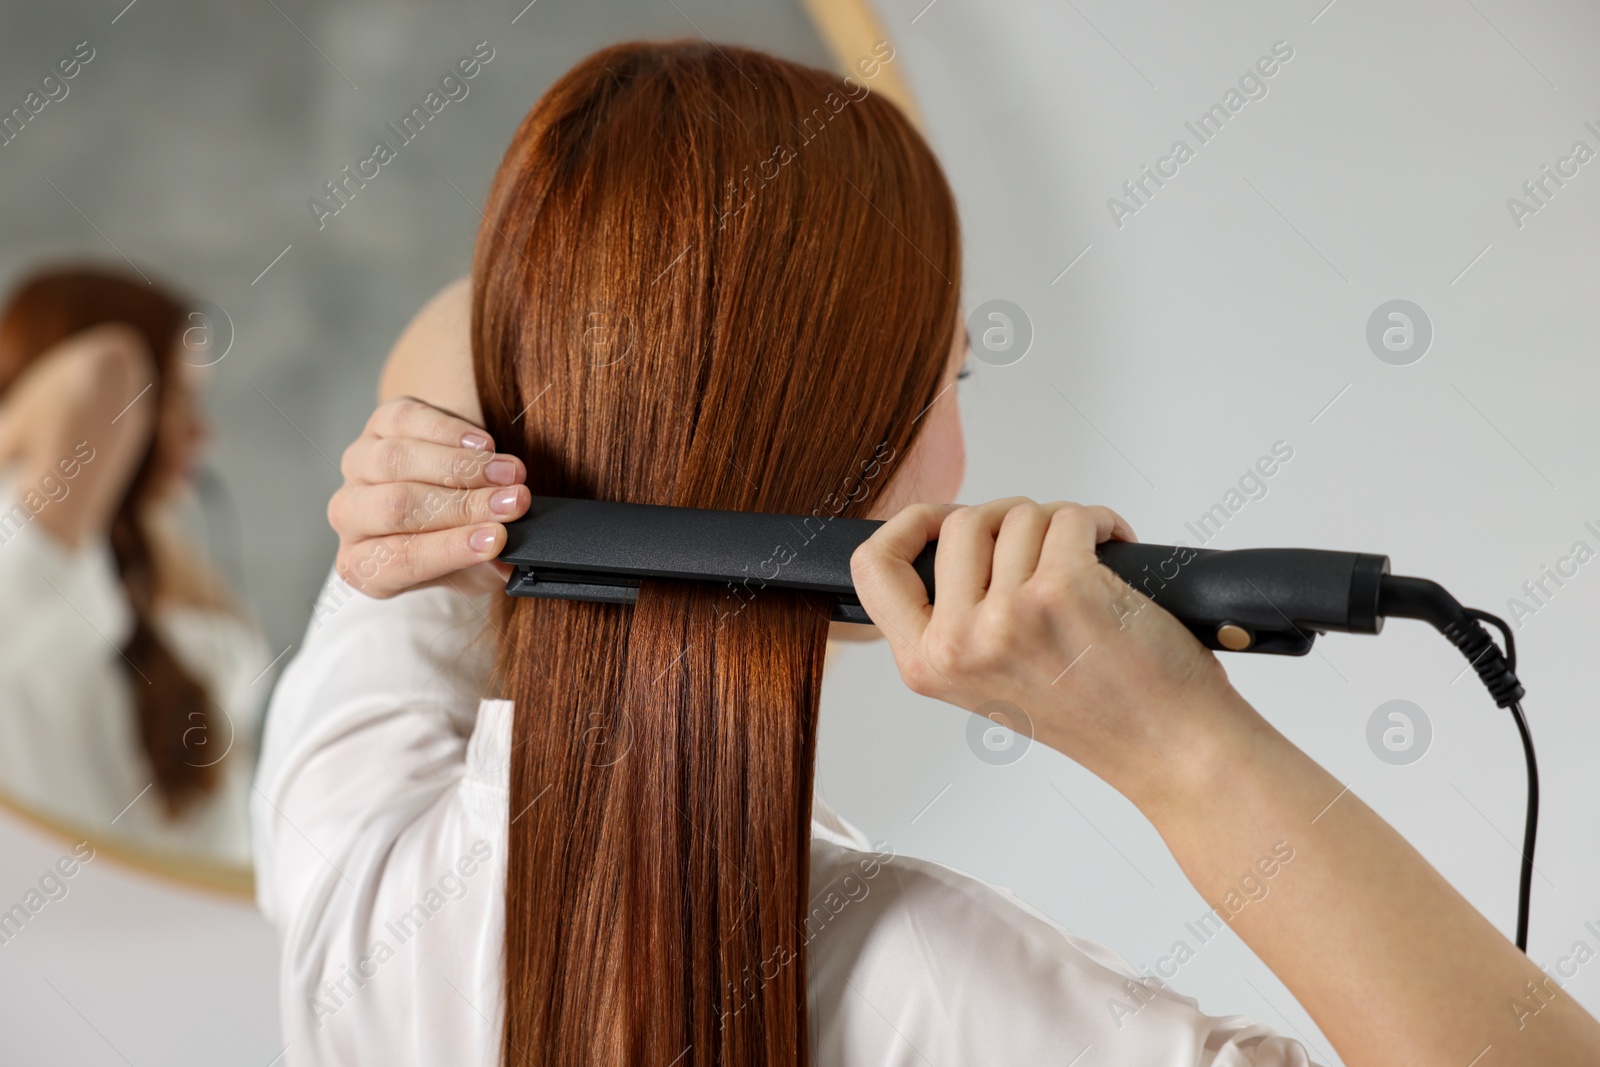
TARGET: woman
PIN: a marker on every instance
(127, 708)
(616, 856)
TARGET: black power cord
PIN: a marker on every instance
(1531, 824)
(1418, 598)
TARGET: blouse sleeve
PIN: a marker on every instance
(55, 598)
(365, 823)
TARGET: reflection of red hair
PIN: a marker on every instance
(669, 309)
(45, 309)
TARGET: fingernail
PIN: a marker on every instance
(475, 441)
(504, 502)
(481, 539)
(501, 471)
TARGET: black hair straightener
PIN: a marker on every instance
(1269, 600)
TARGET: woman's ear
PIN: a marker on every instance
(432, 360)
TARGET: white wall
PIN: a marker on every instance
(1228, 314)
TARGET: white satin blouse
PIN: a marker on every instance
(380, 838)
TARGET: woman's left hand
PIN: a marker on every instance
(424, 502)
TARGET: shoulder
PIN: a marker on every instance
(432, 360)
(910, 955)
(957, 928)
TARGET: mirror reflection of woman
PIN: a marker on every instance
(128, 671)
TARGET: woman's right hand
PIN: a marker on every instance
(1026, 614)
(424, 502)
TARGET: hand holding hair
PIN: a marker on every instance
(424, 502)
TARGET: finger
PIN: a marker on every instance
(376, 460)
(966, 551)
(384, 566)
(1075, 530)
(360, 512)
(888, 586)
(1120, 528)
(406, 416)
(1018, 544)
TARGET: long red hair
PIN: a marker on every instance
(706, 277)
(170, 705)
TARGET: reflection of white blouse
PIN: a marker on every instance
(380, 837)
(69, 745)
